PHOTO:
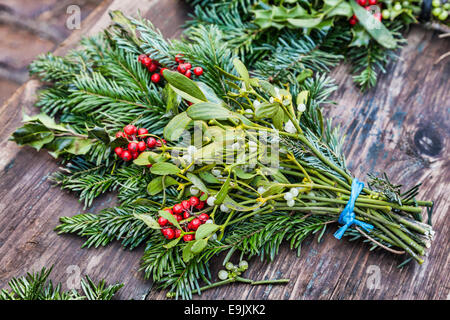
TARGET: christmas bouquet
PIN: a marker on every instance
(206, 156)
(274, 37)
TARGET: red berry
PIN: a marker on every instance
(203, 217)
(178, 217)
(178, 208)
(372, 2)
(352, 21)
(142, 131)
(146, 61)
(362, 2)
(188, 66)
(118, 151)
(160, 142)
(181, 68)
(178, 58)
(132, 147)
(200, 206)
(188, 74)
(377, 16)
(188, 237)
(186, 215)
(120, 134)
(162, 71)
(195, 224)
(149, 165)
(141, 146)
(151, 142)
(186, 204)
(177, 233)
(169, 233)
(162, 221)
(156, 77)
(194, 201)
(168, 210)
(152, 67)
(198, 71)
(126, 155)
(134, 155)
(141, 57)
(130, 129)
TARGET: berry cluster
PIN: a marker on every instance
(183, 67)
(152, 66)
(136, 142)
(368, 5)
(186, 68)
(184, 214)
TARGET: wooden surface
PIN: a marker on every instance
(400, 127)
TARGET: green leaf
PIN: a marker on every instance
(80, 146)
(156, 185)
(99, 134)
(199, 245)
(119, 18)
(176, 126)
(35, 135)
(220, 196)
(197, 182)
(374, 27)
(184, 86)
(209, 93)
(143, 159)
(164, 168)
(148, 220)
(172, 243)
(266, 110)
(169, 217)
(305, 23)
(340, 8)
(227, 74)
(205, 230)
(230, 203)
(241, 69)
(242, 174)
(208, 111)
(171, 99)
(187, 253)
(209, 177)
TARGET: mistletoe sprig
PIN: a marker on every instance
(183, 199)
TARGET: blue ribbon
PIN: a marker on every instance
(347, 217)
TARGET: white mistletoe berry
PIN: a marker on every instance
(191, 150)
(288, 196)
(210, 201)
(294, 191)
(261, 190)
(301, 107)
(289, 127)
(224, 208)
(194, 190)
(290, 203)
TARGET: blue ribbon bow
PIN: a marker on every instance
(347, 217)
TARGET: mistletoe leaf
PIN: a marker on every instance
(266, 110)
(172, 243)
(208, 111)
(205, 230)
(184, 86)
(156, 185)
(164, 168)
(199, 245)
(197, 182)
(177, 126)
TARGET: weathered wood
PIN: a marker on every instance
(401, 127)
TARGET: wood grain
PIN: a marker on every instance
(401, 127)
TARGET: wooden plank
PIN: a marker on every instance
(393, 128)
(30, 206)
